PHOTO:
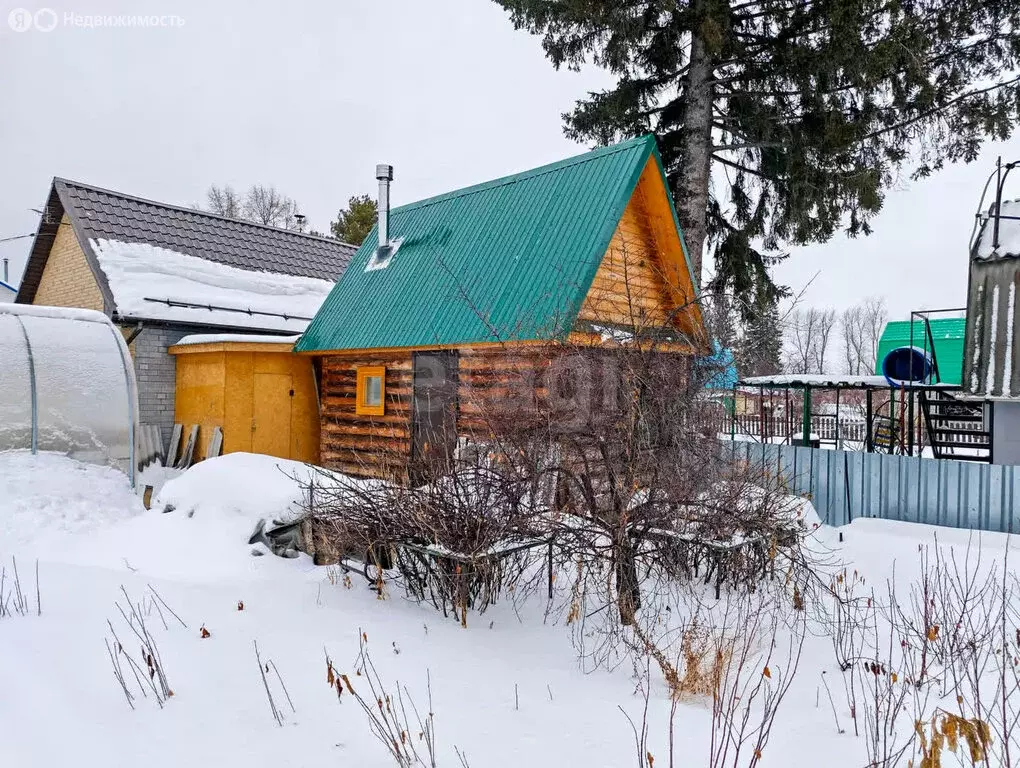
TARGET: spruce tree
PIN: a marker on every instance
(759, 351)
(783, 121)
(354, 222)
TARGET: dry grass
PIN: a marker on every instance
(705, 656)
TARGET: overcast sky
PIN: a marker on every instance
(309, 96)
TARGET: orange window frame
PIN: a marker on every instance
(361, 407)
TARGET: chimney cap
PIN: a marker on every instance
(384, 172)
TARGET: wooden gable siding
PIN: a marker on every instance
(643, 280)
(366, 446)
(67, 279)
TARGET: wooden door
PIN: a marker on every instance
(271, 414)
(434, 414)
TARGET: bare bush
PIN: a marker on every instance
(459, 542)
(394, 719)
(13, 599)
(264, 670)
(759, 645)
(145, 667)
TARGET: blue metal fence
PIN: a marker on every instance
(844, 485)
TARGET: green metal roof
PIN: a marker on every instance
(948, 334)
(507, 260)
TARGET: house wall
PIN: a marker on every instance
(366, 446)
(265, 402)
(67, 279)
(156, 373)
(497, 388)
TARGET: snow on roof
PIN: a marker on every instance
(61, 313)
(149, 282)
(1009, 232)
(831, 380)
(814, 380)
(240, 338)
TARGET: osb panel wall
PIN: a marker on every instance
(217, 389)
(67, 280)
(366, 446)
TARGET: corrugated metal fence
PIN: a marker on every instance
(844, 485)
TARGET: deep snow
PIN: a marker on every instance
(59, 702)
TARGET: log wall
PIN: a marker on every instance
(366, 446)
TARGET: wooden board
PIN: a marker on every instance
(188, 454)
(215, 443)
(175, 446)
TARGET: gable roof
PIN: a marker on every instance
(508, 260)
(155, 237)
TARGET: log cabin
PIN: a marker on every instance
(455, 301)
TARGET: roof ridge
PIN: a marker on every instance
(590, 155)
(200, 212)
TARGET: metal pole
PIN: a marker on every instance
(837, 419)
(762, 430)
(806, 427)
(910, 419)
(789, 418)
(733, 416)
(869, 418)
(998, 202)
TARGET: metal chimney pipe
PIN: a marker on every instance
(6, 277)
(384, 173)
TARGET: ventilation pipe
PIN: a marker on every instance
(384, 173)
(6, 276)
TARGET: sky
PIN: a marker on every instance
(309, 95)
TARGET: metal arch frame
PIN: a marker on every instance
(31, 384)
(132, 386)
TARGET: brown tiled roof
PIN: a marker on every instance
(101, 214)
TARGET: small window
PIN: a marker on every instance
(371, 392)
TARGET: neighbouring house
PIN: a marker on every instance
(7, 291)
(448, 295)
(991, 361)
(162, 272)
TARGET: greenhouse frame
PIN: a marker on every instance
(67, 385)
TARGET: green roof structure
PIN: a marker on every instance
(507, 260)
(948, 334)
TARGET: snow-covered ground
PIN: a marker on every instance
(507, 690)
